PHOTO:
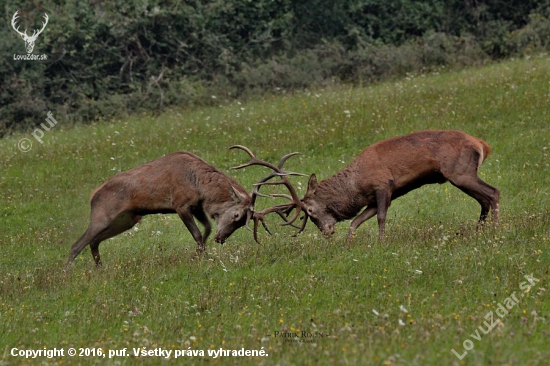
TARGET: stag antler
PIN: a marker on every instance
(283, 210)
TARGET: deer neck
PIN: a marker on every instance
(340, 194)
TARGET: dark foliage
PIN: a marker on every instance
(108, 58)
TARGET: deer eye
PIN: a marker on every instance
(310, 211)
(236, 215)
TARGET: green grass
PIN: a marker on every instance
(152, 292)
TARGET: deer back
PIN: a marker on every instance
(162, 185)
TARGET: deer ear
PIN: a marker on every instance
(311, 185)
(236, 195)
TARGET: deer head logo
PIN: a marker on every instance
(29, 40)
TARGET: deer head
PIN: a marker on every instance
(317, 209)
(29, 40)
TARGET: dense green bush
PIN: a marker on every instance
(107, 58)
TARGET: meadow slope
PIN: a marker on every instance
(407, 300)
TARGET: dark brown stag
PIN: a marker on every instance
(391, 168)
(179, 183)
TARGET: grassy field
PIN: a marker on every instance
(407, 300)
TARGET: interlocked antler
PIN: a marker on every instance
(283, 210)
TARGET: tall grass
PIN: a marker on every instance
(408, 300)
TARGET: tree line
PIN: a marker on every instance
(111, 58)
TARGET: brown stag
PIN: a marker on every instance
(179, 183)
(391, 168)
(185, 184)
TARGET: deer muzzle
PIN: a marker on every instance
(328, 231)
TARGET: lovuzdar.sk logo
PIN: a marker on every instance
(29, 40)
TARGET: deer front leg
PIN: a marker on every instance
(203, 219)
(383, 200)
(364, 216)
(187, 217)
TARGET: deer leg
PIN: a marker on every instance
(485, 194)
(120, 224)
(203, 219)
(77, 247)
(187, 217)
(364, 216)
(383, 201)
(94, 246)
(100, 230)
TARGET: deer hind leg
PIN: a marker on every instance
(77, 247)
(100, 230)
(487, 195)
(187, 217)
(369, 212)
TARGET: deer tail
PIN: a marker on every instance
(484, 150)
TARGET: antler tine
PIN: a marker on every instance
(296, 203)
(253, 159)
(259, 217)
(301, 227)
(287, 196)
(256, 220)
(282, 210)
(242, 147)
(293, 173)
(290, 224)
(247, 150)
(284, 174)
(249, 215)
(256, 190)
(283, 161)
(257, 193)
(286, 183)
(285, 158)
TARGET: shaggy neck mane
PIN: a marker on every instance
(213, 185)
(339, 192)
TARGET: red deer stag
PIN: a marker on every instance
(391, 168)
(179, 183)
